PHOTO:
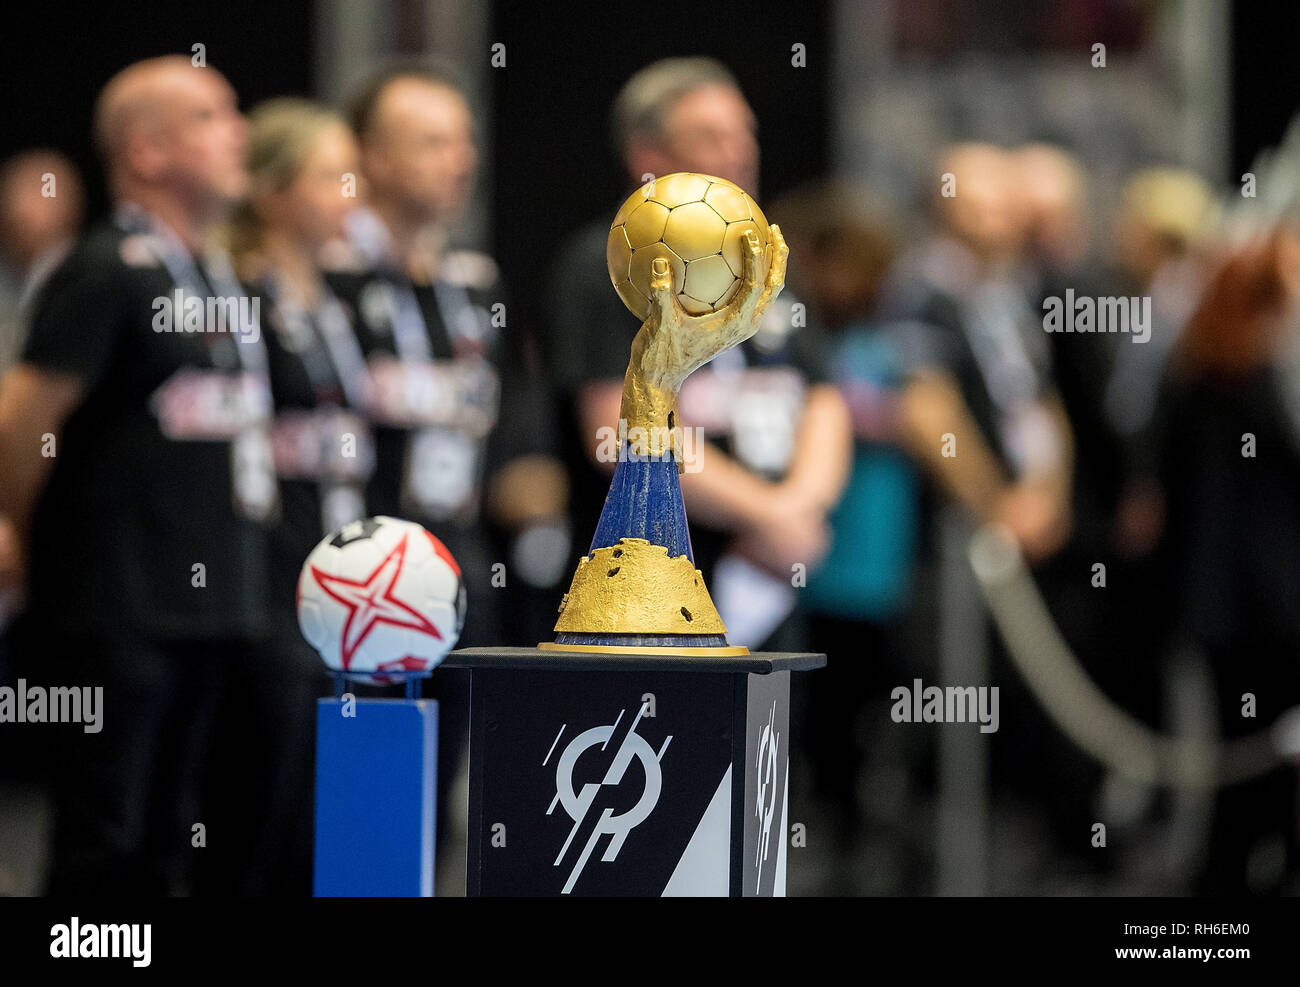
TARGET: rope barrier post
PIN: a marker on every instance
(962, 829)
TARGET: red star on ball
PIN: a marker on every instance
(372, 602)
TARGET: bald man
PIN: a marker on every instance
(135, 468)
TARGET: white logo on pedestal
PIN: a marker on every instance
(765, 803)
(579, 804)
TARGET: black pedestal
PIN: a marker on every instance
(617, 774)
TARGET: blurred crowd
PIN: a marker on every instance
(1121, 390)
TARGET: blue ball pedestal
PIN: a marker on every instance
(376, 784)
(618, 774)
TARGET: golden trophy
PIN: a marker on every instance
(640, 753)
(694, 257)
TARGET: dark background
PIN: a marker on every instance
(56, 57)
(550, 146)
(1265, 83)
(551, 152)
(554, 164)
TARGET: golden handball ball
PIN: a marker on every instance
(698, 224)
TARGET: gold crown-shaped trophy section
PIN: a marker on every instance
(634, 587)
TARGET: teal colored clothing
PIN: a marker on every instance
(867, 574)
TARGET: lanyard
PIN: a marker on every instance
(342, 350)
(410, 331)
(463, 323)
(194, 278)
(1000, 354)
(254, 491)
(459, 315)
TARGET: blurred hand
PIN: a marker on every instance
(528, 489)
(788, 528)
(1038, 518)
(1241, 314)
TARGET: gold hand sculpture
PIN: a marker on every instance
(672, 343)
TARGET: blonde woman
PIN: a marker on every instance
(303, 183)
(303, 172)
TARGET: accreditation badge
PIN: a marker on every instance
(765, 411)
(252, 468)
(478, 389)
(441, 471)
(340, 503)
(1032, 439)
(322, 444)
(252, 458)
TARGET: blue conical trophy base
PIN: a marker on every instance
(645, 501)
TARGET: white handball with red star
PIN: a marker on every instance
(381, 599)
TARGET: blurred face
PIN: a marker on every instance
(422, 154)
(204, 135)
(1053, 199)
(31, 222)
(313, 207)
(988, 212)
(711, 130)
